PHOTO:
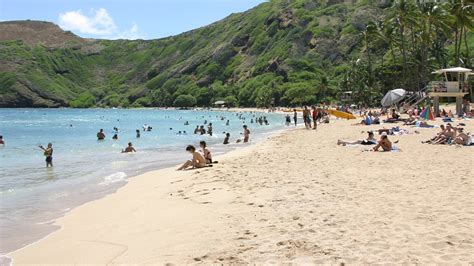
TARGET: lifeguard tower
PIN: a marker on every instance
(454, 84)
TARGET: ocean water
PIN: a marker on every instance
(31, 195)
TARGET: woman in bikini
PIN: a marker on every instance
(206, 152)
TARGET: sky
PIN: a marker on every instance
(122, 19)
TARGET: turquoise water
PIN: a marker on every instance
(84, 168)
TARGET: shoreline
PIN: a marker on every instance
(286, 198)
(43, 227)
(223, 151)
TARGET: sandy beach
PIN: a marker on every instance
(296, 197)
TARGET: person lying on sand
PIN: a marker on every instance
(369, 141)
(198, 160)
(129, 148)
(384, 143)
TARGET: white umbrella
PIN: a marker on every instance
(219, 102)
(393, 97)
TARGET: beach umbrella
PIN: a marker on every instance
(427, 113)
(393, 97)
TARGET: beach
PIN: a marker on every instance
(295, 197)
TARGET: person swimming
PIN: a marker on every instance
(115, 137)
(197, 161)
(48, 153)
(129, 148)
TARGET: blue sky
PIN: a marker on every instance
(112, 19)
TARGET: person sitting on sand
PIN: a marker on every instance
(206, 152)
(129, 148)
(226, 139)
(101, 135)
(198, 160)
(370, 140)
(462, 138)
(383, 143)
(448, 135)
(443, 129)
(48, 153)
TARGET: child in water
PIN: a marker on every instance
(48, 153)
(198, 160)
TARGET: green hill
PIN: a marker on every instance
(281, 52)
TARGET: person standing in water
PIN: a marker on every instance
(101, 135)
(295, 116)
(138, 133)
(2, 142)
(226, 139)
(246, 134)
(48, 153)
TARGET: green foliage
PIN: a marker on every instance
(7, 80)
(279, 53)
(185, 100)
(84, 100)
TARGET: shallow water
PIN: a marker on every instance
(86, 169)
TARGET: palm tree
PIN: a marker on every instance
(462, 11)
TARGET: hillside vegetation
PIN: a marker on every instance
(279, 53)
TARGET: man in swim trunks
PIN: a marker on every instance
(48, 153)
(101, 135)
(198, 160)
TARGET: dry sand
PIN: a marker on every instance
(297, 197)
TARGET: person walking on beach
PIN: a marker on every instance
(306, 117)
(48, 153)
(295, 117)
(315, 118)
(129, 148)
(101, 135)
(246, 134)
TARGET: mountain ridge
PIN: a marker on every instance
(278, 53)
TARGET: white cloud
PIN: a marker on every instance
(99, 23)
